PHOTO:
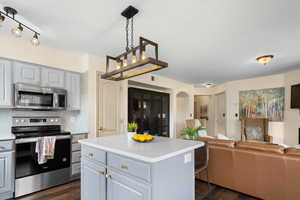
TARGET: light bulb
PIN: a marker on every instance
(125, 62)
(143, 55)
(17, 31)
(118, 65)
(35, 40)
(133, 59)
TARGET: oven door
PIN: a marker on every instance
(26, 157)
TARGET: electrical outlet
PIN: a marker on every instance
(187, 158)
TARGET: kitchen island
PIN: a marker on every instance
(115, 168)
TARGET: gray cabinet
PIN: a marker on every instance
(126, 188)
(73, 88)
(128, 178)
(53, 78)
(27, 73)
(6, 169)
(93, 182)
(6, 83)
(6, 172)
(76, 154)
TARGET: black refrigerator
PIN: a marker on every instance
(150, 110)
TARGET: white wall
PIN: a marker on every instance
(233, 127)
(292, 116)
(182, 111)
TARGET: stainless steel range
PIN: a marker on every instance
(30, 175)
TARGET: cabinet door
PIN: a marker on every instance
(6, 178)
(5, 83)
(27, 73)
(121, 187)
(93, 182)
(73, 88)
(53, 78)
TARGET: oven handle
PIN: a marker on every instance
(35, 139)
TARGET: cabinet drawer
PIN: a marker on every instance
(76, 168)
(6, 145)
(76, 156)
(94, 154)
(132, 167)
(77, 137)
(76, 147)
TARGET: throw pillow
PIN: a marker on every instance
(254, 133)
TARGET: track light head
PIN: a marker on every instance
(2, 18)
(35, 40)
(17, 31)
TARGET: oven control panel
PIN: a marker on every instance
(36, 121)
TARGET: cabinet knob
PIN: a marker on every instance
(108, 176)
(90, 154)
(124, 166)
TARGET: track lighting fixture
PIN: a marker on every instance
(10, 13)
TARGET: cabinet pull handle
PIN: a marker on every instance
(90, 154)
(101, 172)
(124, 166)
(108, 176)
(2, 147)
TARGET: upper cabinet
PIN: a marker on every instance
(73, 88)
(27, 73)
(5, 83)
(53, 78)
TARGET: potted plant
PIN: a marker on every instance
(132, 128)
(191, 133)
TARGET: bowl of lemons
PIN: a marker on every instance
(142, 138)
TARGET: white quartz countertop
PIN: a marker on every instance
(159, 149)
(7, 137)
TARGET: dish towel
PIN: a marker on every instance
(45, 148)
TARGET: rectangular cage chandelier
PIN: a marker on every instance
(136, 60)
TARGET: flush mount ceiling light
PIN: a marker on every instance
(10, 13)
(135, 60)
(265, 59)
(208, 84)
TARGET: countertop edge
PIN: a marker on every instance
(143, 158)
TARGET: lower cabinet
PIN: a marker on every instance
(125, 188)
(6, 172)
(93, 182)
(102, 182)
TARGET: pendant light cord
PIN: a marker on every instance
(127, 38)
(132, 36)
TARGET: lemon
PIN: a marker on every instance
(148, 137)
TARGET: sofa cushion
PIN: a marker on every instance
(218, 142)
(292, 152)
(265, 147)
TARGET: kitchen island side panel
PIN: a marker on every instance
(174, 178)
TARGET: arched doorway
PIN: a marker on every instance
(182, 111)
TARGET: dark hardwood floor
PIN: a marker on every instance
(71, 191)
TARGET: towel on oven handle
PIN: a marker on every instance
(45, 148)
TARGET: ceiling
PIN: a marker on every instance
(202, 40)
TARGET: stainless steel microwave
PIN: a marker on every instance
(33, 97)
